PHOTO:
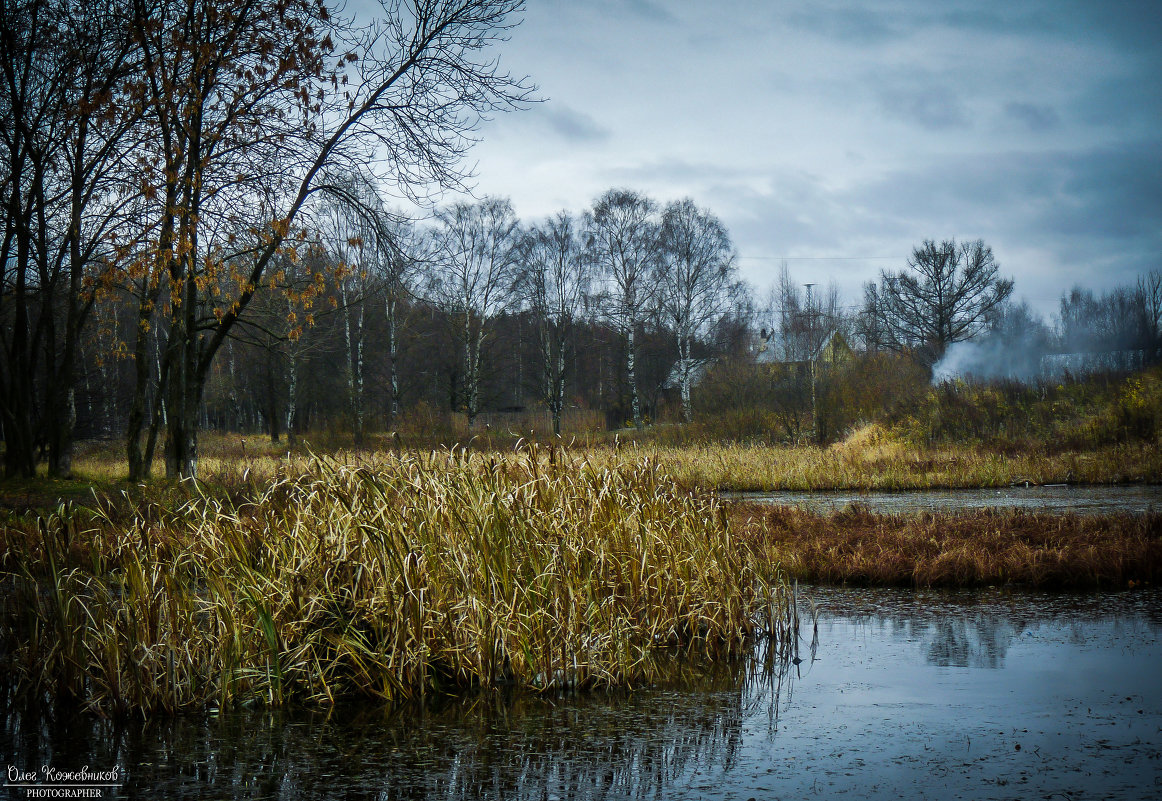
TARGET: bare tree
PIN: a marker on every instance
(944, 296)
(1150, 292)
(1116, 323)
(869, 323)
(476, 248)
(64, 128)
(348, 222)
(802, 317)
(555, 281)
(623, 238)
(399, 254)
(696, 273)
(252, 103)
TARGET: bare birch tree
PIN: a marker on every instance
(347, 221)
(555, 281)
(476, 252)
(399, 255)
(389, 249)
(623, 238)
(696, 273)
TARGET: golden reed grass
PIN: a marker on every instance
(392, 579)
(889, 464)
(958, 549)
(871, 458)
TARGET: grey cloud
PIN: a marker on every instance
(1125, 24)
(1036, 117)
(1132, 24)
(650, 10)
(852, 24)
(796, 213)
(1092, 214)
(1121, 103)
(643, 9)
(557, 121)
(573, 125)
(672, 170)
(857, 24)
(1116, 194)
(933, 107)
(1084, 208)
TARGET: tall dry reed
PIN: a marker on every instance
(389, 579)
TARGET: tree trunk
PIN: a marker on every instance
(684, 378)
(552, 371)
(631, 374)
(19, 448)
(472, 342)
(559, 394)
(185, 380)
(181, 442)
(393, 373)
(358, 396)
(157, 419)
(138, 469)
(19, 384)
(353, 336)
(292, 382)
(60, 431)
(184, 402)
(62, 402)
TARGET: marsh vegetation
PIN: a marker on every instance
(390, 579)
(958, 549)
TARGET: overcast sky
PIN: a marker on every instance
(833, 133)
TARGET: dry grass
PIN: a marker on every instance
(873, 459)
(391, 578)
(957, 550)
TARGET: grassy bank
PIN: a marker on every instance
(391, 580)
(962, 549)
(871, 458)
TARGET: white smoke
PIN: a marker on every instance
(995, 358)
(988, 359)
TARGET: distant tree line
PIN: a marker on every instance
(197, 233)
(470, 311)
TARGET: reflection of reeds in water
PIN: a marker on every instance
(600, 745)
(410, 576)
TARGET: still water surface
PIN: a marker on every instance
(1134, 499)
(984, 694)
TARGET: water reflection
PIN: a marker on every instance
(975, 628)
(975, 642)
(902, 692)
(603, 746)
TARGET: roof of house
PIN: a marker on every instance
(767, 353)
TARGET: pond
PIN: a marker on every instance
(983, 694)
(1079, 499)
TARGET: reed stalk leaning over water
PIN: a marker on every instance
(412, 575)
